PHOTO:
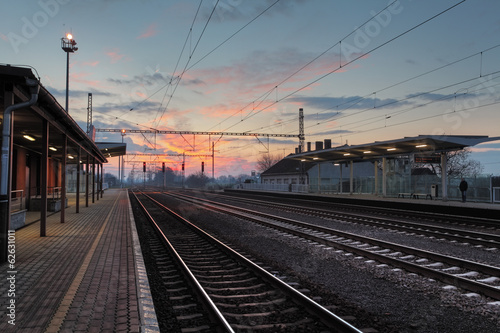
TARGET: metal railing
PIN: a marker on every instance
(18, 201)
(55, 192)
(297, 188)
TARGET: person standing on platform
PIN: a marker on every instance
(463, 188)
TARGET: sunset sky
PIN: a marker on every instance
(363, 71)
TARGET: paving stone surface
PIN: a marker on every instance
(81, 277)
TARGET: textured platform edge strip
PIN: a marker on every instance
(147, 313)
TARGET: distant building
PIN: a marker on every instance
(287, 171)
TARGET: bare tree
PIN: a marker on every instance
(266, 161)
(459, 164)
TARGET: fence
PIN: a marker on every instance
(297, 188)
(479, 188)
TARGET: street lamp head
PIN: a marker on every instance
(68, 44)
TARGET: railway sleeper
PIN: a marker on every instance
(222, 271)
(211, 265)
(261, 314)
(225, 276)
(228, 281)
(273, 302)
(235, 289)
(276, 327)
(259, 295)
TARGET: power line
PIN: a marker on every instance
(180, 56)
(263, 97)
(354, 101)
(450, 96)
(407, 99)
(348, 63)
(186, 68)
(428, 117)
(187, 63)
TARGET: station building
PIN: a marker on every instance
(393, 168)
(40, 140)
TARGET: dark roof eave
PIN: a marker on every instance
(59, 113)
(406, 146)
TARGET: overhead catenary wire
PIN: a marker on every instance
(190, 33)
(263, 97)
(187, 67)
(443, 98)
(378, 106)
(402, 100)
(354, 101)
(348, 63)
(188, 61)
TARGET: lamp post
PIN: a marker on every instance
(68, 44)
(120, 170)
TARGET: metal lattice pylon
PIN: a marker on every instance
(89, 115)
(302, 137)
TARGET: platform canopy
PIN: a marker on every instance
(28, 121)
(426, 145)
(112, 149)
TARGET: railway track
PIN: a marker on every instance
(489, 241)
(235, 294)
(471, 276)
(457, 220)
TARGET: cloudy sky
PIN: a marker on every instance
(363, 71)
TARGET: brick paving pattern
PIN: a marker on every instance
(81, 277)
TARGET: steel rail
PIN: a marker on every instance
(209, 304)
(487, 222)
(326, 316)
(458, 281)
(473, 237)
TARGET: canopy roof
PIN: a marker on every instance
(112, 149)
(27, 130)
(422, 144)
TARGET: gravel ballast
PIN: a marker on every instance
(380, 297)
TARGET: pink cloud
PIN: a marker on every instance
(115, 56)
(484, 150)
(82, 78)
(150, 32)
(260, 72)
(90, 63)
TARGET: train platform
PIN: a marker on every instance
(421, 203)
(86, 275)
(418, 200)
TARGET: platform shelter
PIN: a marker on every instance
(39, 140)
(422, 149)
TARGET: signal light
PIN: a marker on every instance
(163, 167)
(182, 166)
(202, 166)
(143, 166)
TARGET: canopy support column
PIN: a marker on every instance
(444, 176)
(87, 175)
(384, 176)
(63, 177)
(44, 174)
(351, 177)
(93, 180)
(78, 172)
